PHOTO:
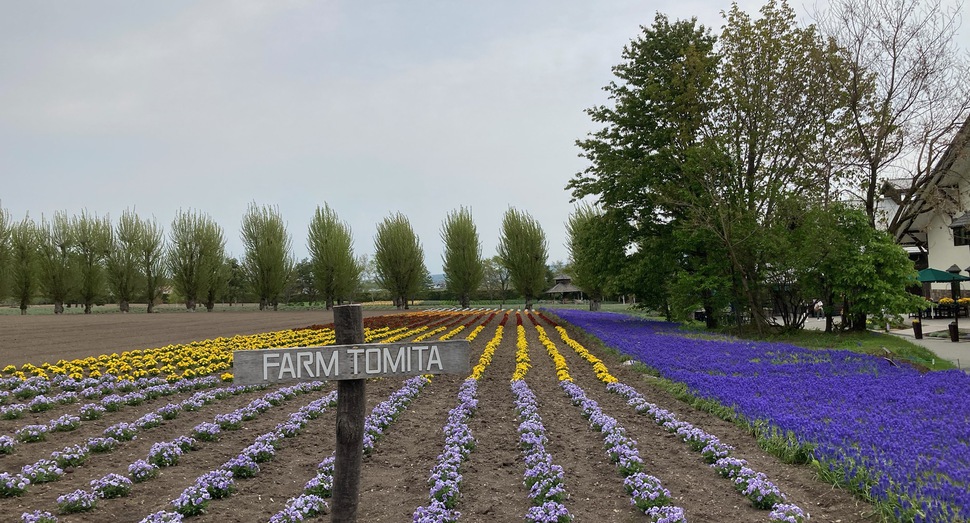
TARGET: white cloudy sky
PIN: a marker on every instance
(371, 106)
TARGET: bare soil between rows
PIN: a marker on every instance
(394, 477)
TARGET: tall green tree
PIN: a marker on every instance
(596, 252)
(220, 272)
(462, 259)
(122, 264)
(57, 275)
(523, 250)
(93, 242)
(24, 254)
(399, 259)
(196, 254)
(336, 271)
(267, 261)
(774, 104)
(707, 137)
(661, 103)
(150, 252)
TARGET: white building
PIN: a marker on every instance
(937, 230)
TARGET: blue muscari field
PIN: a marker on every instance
(901, 435)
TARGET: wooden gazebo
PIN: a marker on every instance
(565, 289)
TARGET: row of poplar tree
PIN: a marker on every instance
(82, 258)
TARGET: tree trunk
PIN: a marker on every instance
(124, 306)
(710, 319)
(58, 307)
(594, 305)
(464, 301)
(151, 306)
(190, 304)
(329, 303)
(859, 322)
(276, 306)
(262, 304)
(528, 304)
(87, 307)
(23, 308)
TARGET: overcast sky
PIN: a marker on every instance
(371, 106)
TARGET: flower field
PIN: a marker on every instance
(890, 432)
(543, 429)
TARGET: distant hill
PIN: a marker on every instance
(438, 280)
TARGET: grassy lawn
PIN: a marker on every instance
(873, 343)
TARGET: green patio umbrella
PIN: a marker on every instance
(954, 279)
(936, 275)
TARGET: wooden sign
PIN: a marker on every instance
(349, 362)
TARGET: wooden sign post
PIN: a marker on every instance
(348, 324)
(350, 361)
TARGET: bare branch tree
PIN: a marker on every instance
(909, 88)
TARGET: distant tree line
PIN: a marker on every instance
(86, 260)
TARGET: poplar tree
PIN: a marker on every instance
(336, 272)
(151, 259)
(523, 251)
(462, 259)
(23, 248)
(219, 273)
(92, 238)
(57, 273)
(123, 262)
(267, 262)
(398, 259)
(196, 253)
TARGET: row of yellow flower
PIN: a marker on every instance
(430, 333)
(488, 353)
(522, 363)
(562, 370)
(444, 326)
(599, 368)
(380, 332)
(172, 361)
(484, 360)
(400, 333)
(211, 356)
(460, 328)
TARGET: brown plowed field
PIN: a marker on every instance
(39, 338)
